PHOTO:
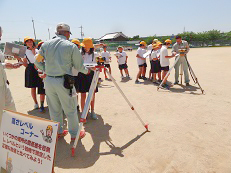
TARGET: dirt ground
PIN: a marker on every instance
(190, 132)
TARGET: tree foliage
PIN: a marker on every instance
(200, 38)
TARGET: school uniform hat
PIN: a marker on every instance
(143, 43)
(40, 43)
(28, 38)
(120, 47)
(178, 36)
(159, 43)
(63, 27)
(155, 40)
(155, 46)
(168, 41)
(87, 43)
(76, 41)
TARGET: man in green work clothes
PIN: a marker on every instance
(181, 45)
(57, 57)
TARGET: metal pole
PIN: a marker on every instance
(34, 29)
(49, 33)
(129, 103)
(168, 72)
(81, 32)
(86, 108)
(181, 71)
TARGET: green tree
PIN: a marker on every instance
(214, 35)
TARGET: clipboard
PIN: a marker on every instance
(12, 49)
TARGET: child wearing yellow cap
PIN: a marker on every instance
(164, 60)
(155, 63)
(84, 81)
(32, 79)
(141, 61)
(76, 42)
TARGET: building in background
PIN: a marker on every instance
(116, 36)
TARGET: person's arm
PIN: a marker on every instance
(173, 54)
(109, 57)
(174, 48)
(77, 61)
(24, 62)
(7, 65)
(187, 47)
(126, 59)
(10, 66)
(138, 54)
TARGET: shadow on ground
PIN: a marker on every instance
(99, 132)
(35, 112)
(191, 89)
(46, 115)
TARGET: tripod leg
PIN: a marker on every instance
(168, 72)
(86, 107)
(181, 72)
(190, 68)
(126, 99)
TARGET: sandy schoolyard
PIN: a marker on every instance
(190, 132)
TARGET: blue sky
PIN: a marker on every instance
(132, 17)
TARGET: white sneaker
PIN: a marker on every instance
(36, 106)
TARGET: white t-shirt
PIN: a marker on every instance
(121, 57)
(153, 55)
(107, 55)
(89, 58)
(149, 47)
(141, 52)
(158, 52)
(164, 62)
(31, 56)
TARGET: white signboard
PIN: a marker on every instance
(27, 143)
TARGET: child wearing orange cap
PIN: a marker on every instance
(76, 42)
(32, 79)
(155, 63)
(84, 81)
(164, 60)
(141, 62)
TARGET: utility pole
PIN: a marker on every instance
(34, 29)
(49, 33)
(82, 34)
(184, 30)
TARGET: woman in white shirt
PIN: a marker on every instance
(32, 79)
(84, 81)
